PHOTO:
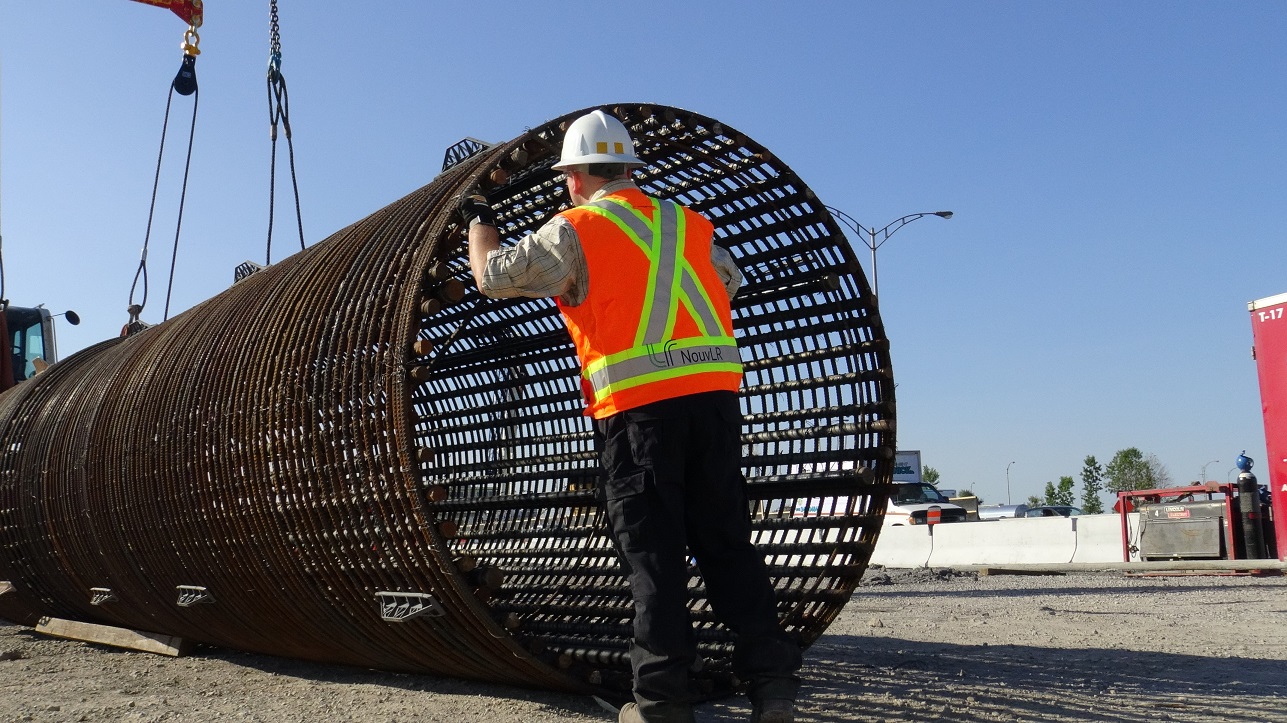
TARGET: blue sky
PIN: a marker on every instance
(1116, 171)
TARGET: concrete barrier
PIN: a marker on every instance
(906, 545)
(1004, 542)
(1100, 537)
(1028, 540)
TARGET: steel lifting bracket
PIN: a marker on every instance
(396, 607)
(5, 586)
(462, 149)
(100, 595)
(190, 595)
(245, 269)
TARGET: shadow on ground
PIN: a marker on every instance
(855, 678)
(859, 678)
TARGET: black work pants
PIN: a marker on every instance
(673, 483)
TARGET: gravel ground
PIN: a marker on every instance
(924, 645)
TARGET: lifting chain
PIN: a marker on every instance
(274, 42)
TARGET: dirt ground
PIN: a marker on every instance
(924, 645)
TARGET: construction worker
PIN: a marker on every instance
(645, 296)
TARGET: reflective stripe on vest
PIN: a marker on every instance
(671, 281)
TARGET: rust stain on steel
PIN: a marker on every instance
(357, 419)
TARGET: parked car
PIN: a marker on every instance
(1053, 511)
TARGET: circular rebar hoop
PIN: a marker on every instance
(352, 456)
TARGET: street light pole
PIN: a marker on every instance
(1204, 470)
(1007, 483)
(875, 238)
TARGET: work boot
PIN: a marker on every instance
(664, 713)
(773, 710)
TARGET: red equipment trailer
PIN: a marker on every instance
(1130, 501)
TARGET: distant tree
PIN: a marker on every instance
(929, 476)
(969, 493)
(1034, 501)
(1130, 469)
(1092, 482)
(1061, 495)
(1158, 471)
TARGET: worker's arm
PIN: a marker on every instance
(542, 264)
(483, 239)
(477, 213)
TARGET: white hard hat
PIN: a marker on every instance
(597, 138)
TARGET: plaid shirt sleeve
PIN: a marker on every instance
(727, 269)
(541, 264)
(550, 262)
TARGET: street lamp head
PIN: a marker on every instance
(869, 236)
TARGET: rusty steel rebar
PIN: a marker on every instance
(352, 456)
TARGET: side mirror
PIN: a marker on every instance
(72, 317)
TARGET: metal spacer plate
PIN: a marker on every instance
(396, 607)
(192, 594)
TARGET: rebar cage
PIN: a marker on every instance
(353, 456)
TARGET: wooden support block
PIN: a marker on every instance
(116, 637)
(986, 571)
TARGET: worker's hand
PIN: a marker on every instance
(476, 207)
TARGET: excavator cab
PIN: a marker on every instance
(29, 335)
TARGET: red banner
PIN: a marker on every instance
(189, 10)
(1269, 333)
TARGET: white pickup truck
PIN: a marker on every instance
(910, 503)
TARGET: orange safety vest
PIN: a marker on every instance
(656, 322)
